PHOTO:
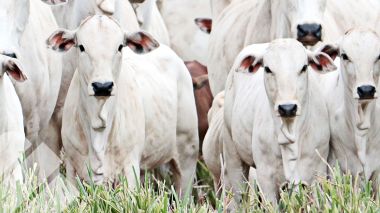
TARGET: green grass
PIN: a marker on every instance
(341, 193)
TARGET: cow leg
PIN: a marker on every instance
(187, 157)
(187, 134)
(132, 173)
(266, 178)
(235, 171)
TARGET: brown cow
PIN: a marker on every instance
(202, 93)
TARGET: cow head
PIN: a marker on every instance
(305, 18)
(99, 41)
(285, 64)
(359, 52)
(10, 65)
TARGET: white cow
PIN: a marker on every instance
(69, 14)
(213, 143)
(179, 17)
(275, 119)
(24, 26)
(126, 112)
(12, 136)
(151, 21)
(353, 104)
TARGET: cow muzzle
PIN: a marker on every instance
(102, 89)
(366, 92)
(287, 110)
(309, 34)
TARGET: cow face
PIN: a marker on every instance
(99, 41)
(359, 52)
(13, 19)
(305, 18)
(285, 64)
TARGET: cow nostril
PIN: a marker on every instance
(102, 89)
(287, 110)
(366, 92)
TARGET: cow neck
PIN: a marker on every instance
(97, 118)
(279, 22)
(288, 134)
(359, 116)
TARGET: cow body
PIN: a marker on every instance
(147, 120)
(33, 22)
(258, 133)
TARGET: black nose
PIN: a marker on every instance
(312, 32)
(287, 110)
(102, 89)
(366, 92)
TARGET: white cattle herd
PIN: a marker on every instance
(104, 85)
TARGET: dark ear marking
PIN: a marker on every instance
(14, 71)
(141, 42)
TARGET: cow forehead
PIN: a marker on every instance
(361, 43)
(285, 55)
(100, 31)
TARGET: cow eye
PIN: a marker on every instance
(304, 68)
(81, 48)
(120, 48)
(267, 70)
(345, 57)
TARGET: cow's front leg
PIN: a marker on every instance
(131, 171)
(266, 178)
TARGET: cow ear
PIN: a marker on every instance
(331, 50)
(321, 62)
(61, 40)
(205, 24)
(54, 2)
(141, 42)
(200, 81)
(14, 69)
(251, 63)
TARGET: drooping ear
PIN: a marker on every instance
(61, 40)
(252, 63)
(54, 2)
(14, 69)
(330, 49)
(321, 62)
(205, 24)
(141, 42)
